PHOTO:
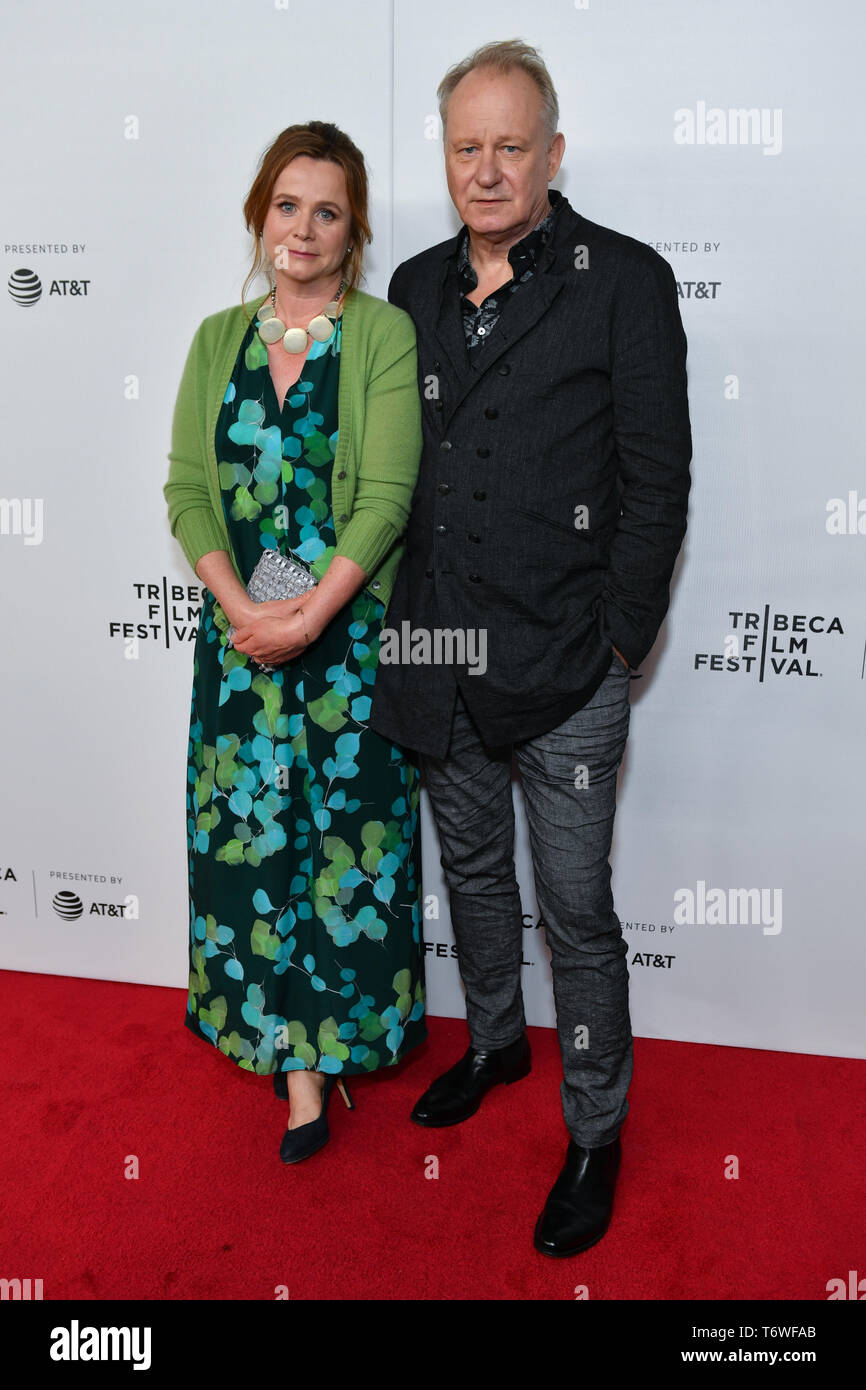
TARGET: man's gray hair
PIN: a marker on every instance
(505, 57)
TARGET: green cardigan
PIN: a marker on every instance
(378, 445)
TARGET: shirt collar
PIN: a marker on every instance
(522, 256)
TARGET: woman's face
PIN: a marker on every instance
(307, 228)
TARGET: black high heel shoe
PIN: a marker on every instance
(300, 1143)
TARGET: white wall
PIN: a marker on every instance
(132, 136)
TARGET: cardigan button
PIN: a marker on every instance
(480, 496)
(475, 578)
(428, 574)
(491, 412)
(483, 453)
(471, 535)
(444, 489)
(342, 473)
(344, 517)
(503, 369)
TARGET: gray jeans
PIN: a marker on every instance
(569, 787)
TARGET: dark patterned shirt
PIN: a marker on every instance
(480, 319)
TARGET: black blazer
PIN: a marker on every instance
(578, 400)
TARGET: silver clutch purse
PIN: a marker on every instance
(276, 576)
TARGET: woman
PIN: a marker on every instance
(304, 864)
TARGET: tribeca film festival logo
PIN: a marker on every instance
(766, 644)
(69, 906)
(168, 613)
(712, 125)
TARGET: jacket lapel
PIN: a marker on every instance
(520, 318)
(448, 331)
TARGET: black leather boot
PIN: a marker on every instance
(457, 1094)
(578, 1210)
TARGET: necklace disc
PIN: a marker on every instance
(320, 328)
(295, 340)
(271, 330)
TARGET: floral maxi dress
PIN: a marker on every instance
(304, 860)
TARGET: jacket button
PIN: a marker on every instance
(428, 574)
(344, 517)
(443, 488)
(473, 537)
(475, 578)
(480, 496)
(446, 444)
(503, 369)
(437, 405)
(342, 473)
(483, 453)
(441, 530)
(491, 412)
(376, 584)
(436, 366)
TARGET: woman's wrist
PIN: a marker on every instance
(240, 609)
(312, 619)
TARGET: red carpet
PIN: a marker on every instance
(96, 1071)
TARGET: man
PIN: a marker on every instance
(549, 510)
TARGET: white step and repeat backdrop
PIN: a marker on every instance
(724, 136)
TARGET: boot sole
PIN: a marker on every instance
(572, 1250)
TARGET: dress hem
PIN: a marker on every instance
(419, 1034)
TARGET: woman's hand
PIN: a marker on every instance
(245, 610)
(280, 607)
(271, 637)
(273, 632)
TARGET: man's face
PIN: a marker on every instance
(498, 156)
